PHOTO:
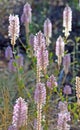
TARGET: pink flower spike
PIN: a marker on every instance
(14, 28)
(67, 20)
(20, 113)
(27, 14)
(48, 28)
(40, 93)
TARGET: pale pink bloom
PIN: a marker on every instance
(27, 14)
(39, 40)
(20, 113)
(40, 93)
(48, 28)
(63, 106)
(63, 118)
(42, 59)
(14, 28)
(60, 49)
(51, 83)
(67, 20)
(66, 63)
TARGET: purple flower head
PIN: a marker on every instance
(48, 28)
(39, 40)
(27, 14)
(14, 28)
(66, 63)
(62, 106)
(11, 127)
(42, 59)
(19, 60)
(32, 40)
(8, 53)
(20, 113)
(40, 93)
(63, 118)
(11, 66)
(67, 90)
(67, 20)
(51, 83)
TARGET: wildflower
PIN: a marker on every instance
(59, 49)
(67, 90)
(11, 127)
(19, 60)
(66, 63)
(27, 14)
(42, 59)
(63, 118)
(14, 28)
(40, 99)
(47, 30)
(40, 93)
(11, 66)
(8, 53)
(78, 89)
(20, 113)
(67, 20)
(62, 106)
(51, 83)
(39, 40)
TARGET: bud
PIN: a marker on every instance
(67, 20)
(14, 28)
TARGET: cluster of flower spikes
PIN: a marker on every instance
(20, 113)
(63, 117)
